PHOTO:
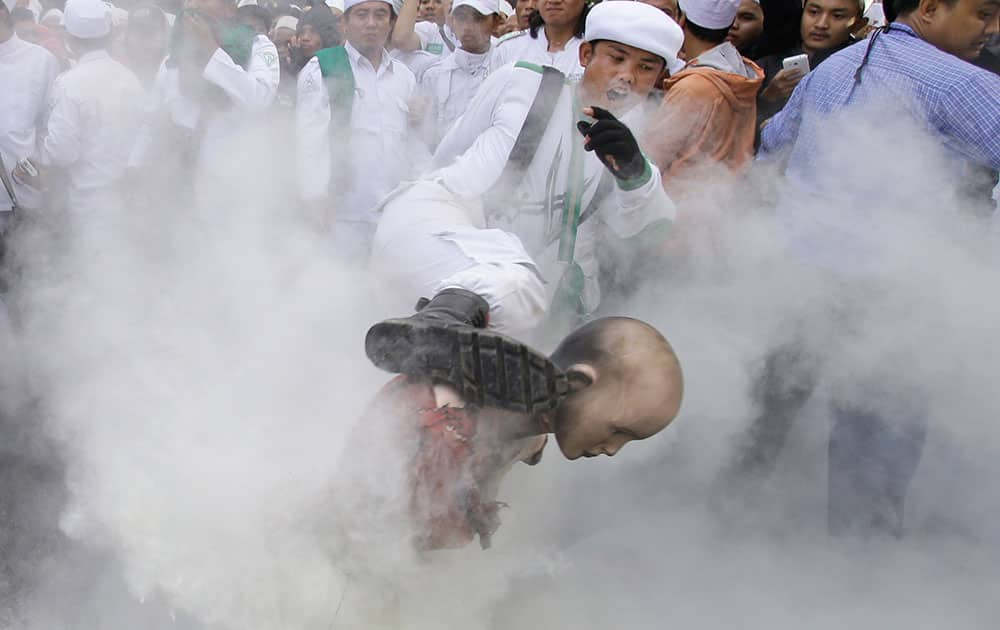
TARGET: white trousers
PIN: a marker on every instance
(428, 240)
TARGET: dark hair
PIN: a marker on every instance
(536, 22)
(257, 12)
(710, 35)
(895, 8)
(20, 13)
(326, 24)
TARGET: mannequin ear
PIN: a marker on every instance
(581, 376)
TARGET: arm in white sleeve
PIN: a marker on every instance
(312, 133)
(252, 89)
(475, 150)
(61, 145)
(635, 204)
(151, 112)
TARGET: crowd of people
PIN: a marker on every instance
(489, 147)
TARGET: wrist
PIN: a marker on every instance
(638, 177)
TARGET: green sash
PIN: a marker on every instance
(335, 66)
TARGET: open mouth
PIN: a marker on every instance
(618, 95)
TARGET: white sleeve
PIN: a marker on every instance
(252, 89)
(425, 32)
(312, 133)
(61, 145)
(635, 204)
(474, 152)
(152, 107)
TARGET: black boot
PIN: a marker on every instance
(447, 341)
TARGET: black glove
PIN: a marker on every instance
(614, 144)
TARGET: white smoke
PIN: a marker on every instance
(202, 371)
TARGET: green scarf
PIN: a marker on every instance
(339, 78)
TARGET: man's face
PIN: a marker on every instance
(145, 43)
(748, 26)
(429, 10)
(309, 41)
(255, 23)
(282, 38)
(6, 24)
(523, 10)
(218, 9)
(560, 13)
(962, 28)
(667, 6)
(25, 29)
(617, 76)
(827, 23)
(367, 25)
(472, 28)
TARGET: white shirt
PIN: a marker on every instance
(449, 86)
(94, 121)
(378, 153)
(431, 39)
(474, 153)
(521, 46)
(26, 75)
(250, 91)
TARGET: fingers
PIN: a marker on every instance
(600, 114)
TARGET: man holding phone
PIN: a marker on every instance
(708, 113)
(826, 27)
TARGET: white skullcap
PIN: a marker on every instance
(485, 7)
(52, 13)
(635, 24)
(711, 14)
(353, 3)
(87, 19)
(287, 21)
(246, 3)
(336, 4)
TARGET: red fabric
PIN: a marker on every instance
(445, 500)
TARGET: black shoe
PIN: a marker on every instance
(447, 341)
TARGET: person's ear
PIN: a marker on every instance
(928, 9)
(586, 53)
(580, 376)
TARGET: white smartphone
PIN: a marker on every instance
(798, 62)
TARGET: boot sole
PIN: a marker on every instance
(488, 369)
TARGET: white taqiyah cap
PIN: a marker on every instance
(336, 4)
(713, 14)
(246, 3)
(87, 19)
(635, 24)
(52, 14)
(353, 3)
(485, 7)
(287, 21)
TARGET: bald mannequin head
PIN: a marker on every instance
(625, 384)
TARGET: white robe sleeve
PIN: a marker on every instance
(153, 106)
(312, 133)
(252, 89)
(61, 145)
(474, 152)
(635, 204)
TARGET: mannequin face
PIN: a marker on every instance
(631, 391)
(617, 76)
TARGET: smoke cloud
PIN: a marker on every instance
(200, 372)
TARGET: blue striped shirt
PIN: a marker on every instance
(951, 98)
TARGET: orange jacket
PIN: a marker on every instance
(707, 115)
